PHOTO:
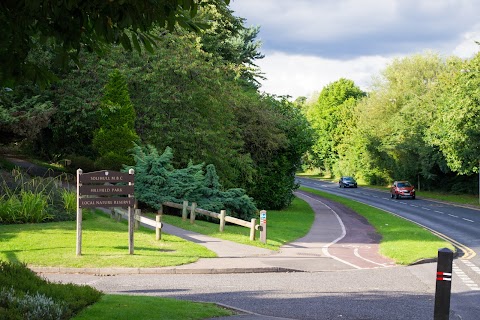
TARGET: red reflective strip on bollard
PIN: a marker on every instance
(444, 279)
(444, 276)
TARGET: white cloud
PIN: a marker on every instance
(298, 75)
(309, 43)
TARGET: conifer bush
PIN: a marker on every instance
(116, 136)
(157, 181)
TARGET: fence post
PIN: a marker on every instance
(444, 284)
(192, 212)
(138, 213)
(158, 225)
(252, 228)
(222, 219)
(184, 210)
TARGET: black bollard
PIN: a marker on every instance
(444, 284)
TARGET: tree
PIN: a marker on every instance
(116, 136)
(230, 40)
(67, 27)
(330, 118)
(456, 129)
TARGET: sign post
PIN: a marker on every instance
(94, 189)
(263, 226)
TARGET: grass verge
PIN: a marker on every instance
(283, 226)
(403, 241)
(104, 244)
(122, 307)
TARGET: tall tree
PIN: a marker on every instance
(115, 138)
(70, 26)
(456, 128)
(330, 118)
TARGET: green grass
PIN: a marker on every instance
(105, 244)
(122, 307)
(283, 226)
(403, 241)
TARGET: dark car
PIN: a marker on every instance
(401, 189)
(347, 182)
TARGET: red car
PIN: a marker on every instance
(402, 189)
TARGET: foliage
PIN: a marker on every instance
(156, 181)
(68, 27)
(24, 112)
(33, 200)
(24, 295)
(331, 117)
(231, 41)
(455, 129)
(274, 180)
(116, 135)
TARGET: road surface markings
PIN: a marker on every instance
(357, 254)
(452, 215)
(426, 209)
(467, 220)
(438, 211)
(414, 205)
(344, 233)
(472, 266)
(466, 280)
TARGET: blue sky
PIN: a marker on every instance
(310, 43)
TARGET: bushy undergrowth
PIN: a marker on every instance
(24, 295)
(157, 181)
(24, 199)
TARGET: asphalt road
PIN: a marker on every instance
(459, 225)
(386, 293)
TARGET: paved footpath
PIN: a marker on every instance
(338, 240)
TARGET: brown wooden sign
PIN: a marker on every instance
(106, 202)
(106, 176)
(105, 190)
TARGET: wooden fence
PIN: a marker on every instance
(221, 216)
(157, 223)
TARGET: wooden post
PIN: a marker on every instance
(138, 213)
(130, 221)
(192, 212)
(184, 210)
(252, 228)
(158, 227)
(79, 215)
(223, 213)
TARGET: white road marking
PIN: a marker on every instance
(452, 215)
(355, 251)
(344, 232)
(438, 211)
(468, 220)
(464, 277)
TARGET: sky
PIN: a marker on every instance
(309, 44)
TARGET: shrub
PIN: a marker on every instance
(157, 181)
(32, 307)
(69, 201)
(32, 200)
(24, 295)
(81, 162)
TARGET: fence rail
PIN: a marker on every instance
(221, 216)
